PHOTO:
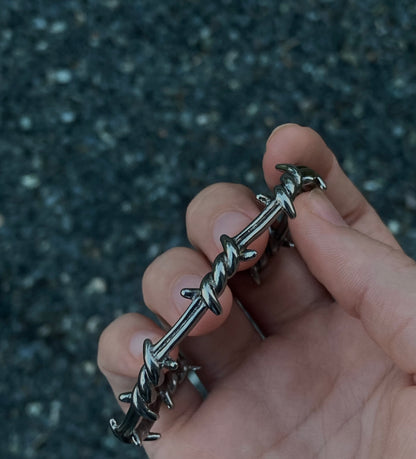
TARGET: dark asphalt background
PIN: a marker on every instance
(113, 114)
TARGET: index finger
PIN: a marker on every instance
(291, 143)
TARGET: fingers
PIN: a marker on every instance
(225, 338)
(294, 144)
(227, 208)
(120, 349)
(369, 279)
(222, 208)
(120, 359)
(171, 272)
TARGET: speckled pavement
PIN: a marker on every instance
(113, 114)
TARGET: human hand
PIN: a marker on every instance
(335, 375)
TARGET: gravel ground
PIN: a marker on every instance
(114, 114)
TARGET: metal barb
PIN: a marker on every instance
(160, 374)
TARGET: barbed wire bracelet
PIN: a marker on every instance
(160, 375)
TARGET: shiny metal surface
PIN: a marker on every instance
(160, 375)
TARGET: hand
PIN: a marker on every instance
(334, 377)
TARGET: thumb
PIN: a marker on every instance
(369, 279)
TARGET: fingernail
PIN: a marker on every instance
(323, 208)
(136, 342)
(186, 281)
(278, 128)
(230, 223)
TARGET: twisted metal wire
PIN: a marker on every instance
(224, 267)
(160, 375)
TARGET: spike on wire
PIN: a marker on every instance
(194, 368)
(248, 255)
(135, 439)
(263, 199)
(152, 436)
(125, 397)
(284, 167)
(167, 399)
(321, 183)
(288, 243)
(170, 364)
(190, 293)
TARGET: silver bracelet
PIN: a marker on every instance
(160, 375)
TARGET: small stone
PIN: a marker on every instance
(186, 118)
(89, 367)
(62, 76)
(55, 412)
(65, 278)
(398, 131)
(66, 323)
(80, 17)
(25, 123)
(127, 66)
(234, 84)
(93, 324)
(306, 105)
(205, 33)
(1, 220)
(41, 45)
(358, 110)
(44, 331)
(394, 226)
(133, 158)
(126, 207)
(308, 68)
(230, 59)
(58, 27)
(399, 83)
(372, 185)
(67, 117)
(94, 42)
(97, 285)
(15, 445)
(270, 122)
(6, 35)
(108, 139)
(162, 133)
(30, 181)
(45, 246)
(28, 282)
(202, 119)
(409, 199)
(143, 232)
(40, 23)
(111, 4)
(250, 177)
(37, 162)
(34, 409)
(252, 109)
(153, 251)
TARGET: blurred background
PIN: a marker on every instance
(113, 114)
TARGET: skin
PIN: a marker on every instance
(334, 377)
